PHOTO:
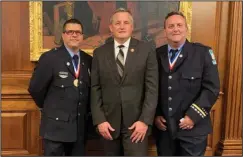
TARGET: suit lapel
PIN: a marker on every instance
(131, 53)
(112, 62)
(67, 60)
(163, 53)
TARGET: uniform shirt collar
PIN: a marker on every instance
(179, 48)
(71, 52)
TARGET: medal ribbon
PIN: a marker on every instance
(77, 70)
(174, 61)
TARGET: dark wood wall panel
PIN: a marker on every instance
(231, 138)
(20, 126)
(15, 35)
(14, 125)
(203, 22)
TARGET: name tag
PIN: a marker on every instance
(63, 74)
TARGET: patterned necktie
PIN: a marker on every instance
(173, 52)
(120, 61)
(75, 58)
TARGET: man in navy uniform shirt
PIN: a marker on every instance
(188, 88)
(60, 87)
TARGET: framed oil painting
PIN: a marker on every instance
(47, 18)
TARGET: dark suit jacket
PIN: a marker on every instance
(64, 106)
(190, 88)
(132, 97)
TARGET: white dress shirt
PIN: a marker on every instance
(124, 49)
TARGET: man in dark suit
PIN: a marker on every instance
(188, 88)
(60, 87)
(124, 89)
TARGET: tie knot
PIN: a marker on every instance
(75, 57)
(121, 46)
(173, 51)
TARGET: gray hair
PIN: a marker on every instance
(121, 10)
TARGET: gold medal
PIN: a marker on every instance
(75, 82)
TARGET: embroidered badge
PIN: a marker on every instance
(63, 74)
(213, 57)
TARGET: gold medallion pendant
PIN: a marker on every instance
(75, 82)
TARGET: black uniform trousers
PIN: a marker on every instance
(182, 146)
(123, 145)
(55, 148)
(61, 148)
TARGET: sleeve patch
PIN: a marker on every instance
(200, 111)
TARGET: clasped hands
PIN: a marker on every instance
(139, 131)
(185, 123)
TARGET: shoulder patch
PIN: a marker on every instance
(213, 57)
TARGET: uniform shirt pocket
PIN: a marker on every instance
(191, 81)
(63, 88)
(59, 116)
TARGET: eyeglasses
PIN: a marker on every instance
(71, 32)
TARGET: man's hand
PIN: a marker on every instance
(160, 123)
(139, 132)
(104, 130)
(186, 123)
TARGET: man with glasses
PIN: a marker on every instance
(60, 87)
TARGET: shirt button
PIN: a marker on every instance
(170, 77)
(170, 98)
(169, 87)
(170, 109)
(78, 114)
(81, 93)
(57, 118)
(79, 104)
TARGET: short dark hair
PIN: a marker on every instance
(174, 13)
(72, 21)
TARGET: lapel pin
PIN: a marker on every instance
(68, 63)
(132, 50)
(181, 55)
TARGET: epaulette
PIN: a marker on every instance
(199, 44)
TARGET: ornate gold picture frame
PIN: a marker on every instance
(36, 26)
